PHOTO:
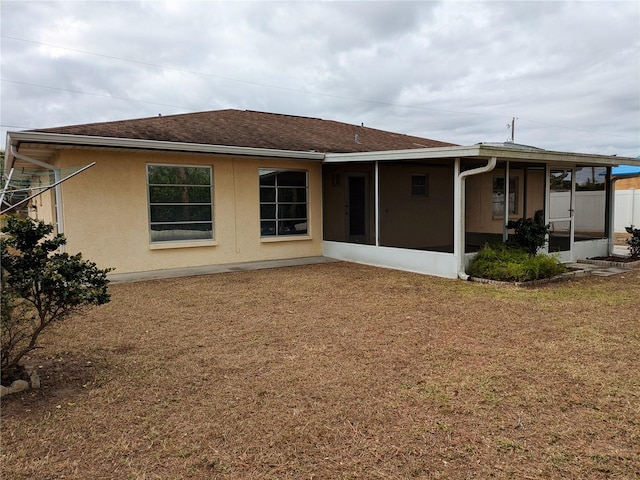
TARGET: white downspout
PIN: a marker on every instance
(505, 211)
(459, 209)
(57, 188)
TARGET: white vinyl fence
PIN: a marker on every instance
(589, 209)
(627, 209)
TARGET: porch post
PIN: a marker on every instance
(458, 218)
(376, 181)
(609, 212)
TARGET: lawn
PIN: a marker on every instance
(336, 371)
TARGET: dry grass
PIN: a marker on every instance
(337, 371)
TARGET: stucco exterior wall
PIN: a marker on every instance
(106, 211)
(42, 207)
(416, 222)
(335, 199)
(479, 200)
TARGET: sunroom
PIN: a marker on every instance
(429, 210)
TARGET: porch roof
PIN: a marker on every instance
(484, 151)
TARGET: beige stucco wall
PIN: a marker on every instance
(335, 202)
(405, 221)
(42, 207)
(106, 211)
(479, 200)
(410, 222)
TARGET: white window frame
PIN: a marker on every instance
(303, 221)
(187, 241)
(513, 196)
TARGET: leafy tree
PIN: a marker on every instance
(40, 286)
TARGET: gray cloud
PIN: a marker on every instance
(454, 71)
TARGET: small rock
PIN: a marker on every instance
(35, 380)
(18, 386)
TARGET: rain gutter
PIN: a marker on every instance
(482, 151)
(114, 142)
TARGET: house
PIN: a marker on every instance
(232, 186)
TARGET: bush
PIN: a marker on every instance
(528, 235)
(634, 241)
(508, 264)
(40, 286)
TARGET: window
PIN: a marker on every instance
(419, 186)
(283, 202)
(498, 196)
(180, 203)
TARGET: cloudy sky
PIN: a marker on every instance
(458, 71)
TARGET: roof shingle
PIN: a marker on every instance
(253, 129)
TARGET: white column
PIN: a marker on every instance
(376, 187)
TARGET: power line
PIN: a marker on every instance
(249, 82)
(89, 93)
(266, 85)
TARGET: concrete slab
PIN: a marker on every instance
(598, 270)
(582, 266)
(605, 273)
(212, 269)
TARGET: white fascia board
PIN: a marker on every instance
(411, 154)
(550, 156)
(481, 151)
(16, 138)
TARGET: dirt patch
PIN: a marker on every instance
(336, 371)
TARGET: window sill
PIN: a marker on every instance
(288, 238)
(512, 216)
(182, 244)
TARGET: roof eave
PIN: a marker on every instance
(470, 151)
(483, 151)
(15, 138)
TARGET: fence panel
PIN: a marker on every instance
(627, 209)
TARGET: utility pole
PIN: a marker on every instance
(513, 128)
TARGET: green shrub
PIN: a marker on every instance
(528, 235)
(508, 264)
(634, 241)
(40, 286)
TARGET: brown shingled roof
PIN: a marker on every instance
(253, 129)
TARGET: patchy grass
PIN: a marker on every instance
(336, 371)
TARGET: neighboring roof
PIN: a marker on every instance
(253, 129)
(627, 170)
(515, 146)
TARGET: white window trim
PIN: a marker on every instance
(516, 202)
(198, 242)
(284, 238)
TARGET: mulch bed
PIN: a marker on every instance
(617, 259)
